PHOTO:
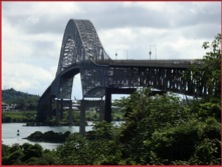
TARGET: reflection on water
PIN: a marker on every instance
(10, 130)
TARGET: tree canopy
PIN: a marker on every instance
(210, 73)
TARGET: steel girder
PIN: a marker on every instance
(172, 78)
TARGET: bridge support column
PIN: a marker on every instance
(57, 112)
(50, 108)
(61, 110)
(101, 111)
(70, 112)
(108, 103)
(108, 100)
(82, 117)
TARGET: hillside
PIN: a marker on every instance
(23, 100)
(9, 95)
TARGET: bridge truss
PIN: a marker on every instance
(82, 52)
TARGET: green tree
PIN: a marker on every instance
(27, 154)
(209, 73)
(95, 148)
(13, 155)
(163, 130)
(31, 151)
(147, 115)
(22, 104)
(74, 151)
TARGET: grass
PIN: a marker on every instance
(18, 116)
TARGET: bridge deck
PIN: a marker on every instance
(185, 63)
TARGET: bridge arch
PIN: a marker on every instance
(82, 52)
(80, 42)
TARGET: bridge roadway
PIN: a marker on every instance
(164, 63)
(167, 75)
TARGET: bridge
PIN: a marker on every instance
(82, 52)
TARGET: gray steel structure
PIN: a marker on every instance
(82, 52)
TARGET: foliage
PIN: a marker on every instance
(49, 136)
(27, 154)
(24, 101)
(96, 148)
(163, 130)
(18, 116)
(92, 115)
(159, 130)
(209, 73)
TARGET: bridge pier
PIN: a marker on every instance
(50, 108)
(57, 115)
(108, 100)
(60, 109)
(101, 111)
(70, 113)
(108, 104)
(86, 104)
(82, 117)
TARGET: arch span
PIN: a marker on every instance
(80, 42)
(82, 52)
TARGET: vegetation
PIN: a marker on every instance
(30, 117)
(15, 116)
(27, 154)
(49, 136)
(92, 115)
(210, 73)
(158, 130)
(24, 101)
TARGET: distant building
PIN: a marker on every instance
(5, 107)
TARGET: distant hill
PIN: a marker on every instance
(13, 95)
(23, 100)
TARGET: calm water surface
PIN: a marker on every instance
(9, 133)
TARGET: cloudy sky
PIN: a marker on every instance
(33, 31)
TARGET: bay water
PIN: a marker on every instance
(10, 137)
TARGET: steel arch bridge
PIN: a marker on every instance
(82, 52)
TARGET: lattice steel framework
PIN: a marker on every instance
(169, 76)
(82, 52)
(80, 43)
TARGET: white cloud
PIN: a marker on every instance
(26, 77)
(40, 8)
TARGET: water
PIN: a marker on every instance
(9, 133)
